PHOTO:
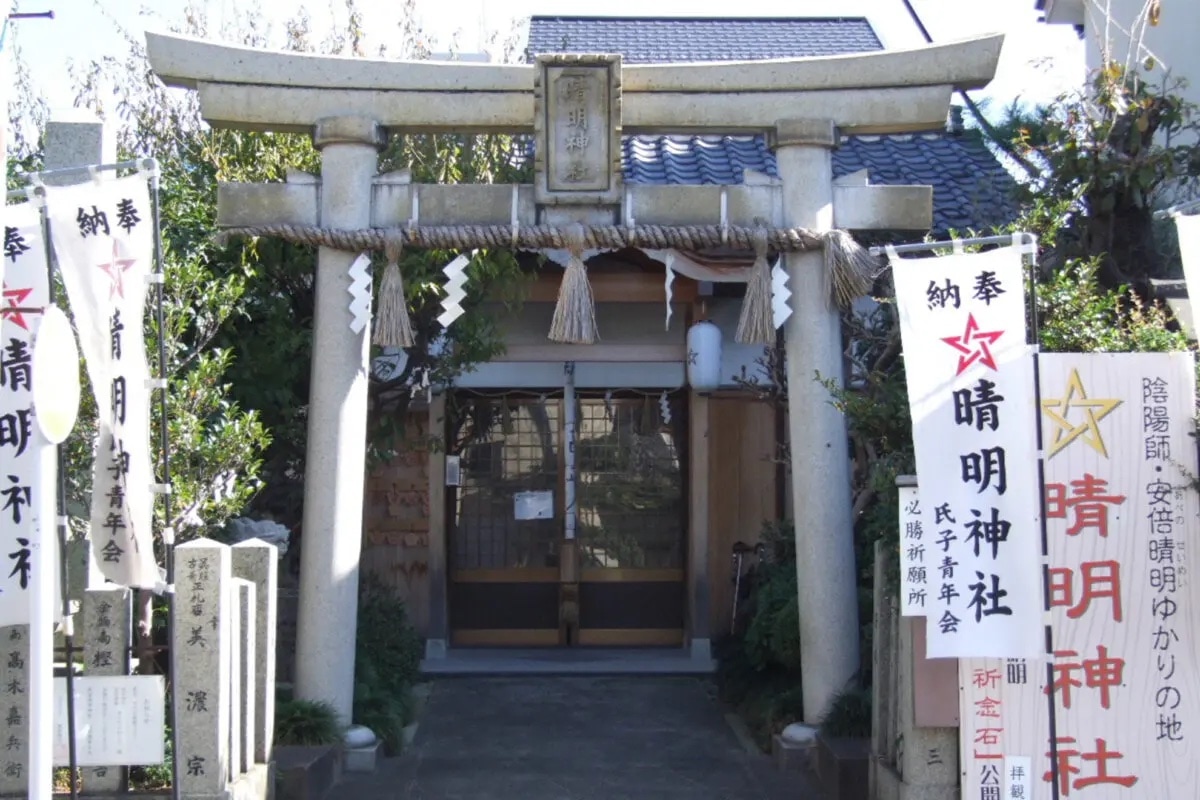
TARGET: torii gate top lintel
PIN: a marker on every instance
(889, 91)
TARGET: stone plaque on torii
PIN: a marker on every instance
(577, 107)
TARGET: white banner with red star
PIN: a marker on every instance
(26, 292)
(103, 237)
(1123, 675)
(970, 382)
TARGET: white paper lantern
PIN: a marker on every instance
(704, 356)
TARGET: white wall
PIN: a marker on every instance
(634, 323)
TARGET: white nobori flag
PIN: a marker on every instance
(24, 538)
(970, 380)
(103, 237)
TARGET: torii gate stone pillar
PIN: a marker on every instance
(802, 104)
(820, 463)
(337, 427)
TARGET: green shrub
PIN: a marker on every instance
(773, 636)
(849, 715)
(387, 662)
(306, 723)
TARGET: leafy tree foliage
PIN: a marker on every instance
(1105, 157)
(1110, 153)
(270, 330)
(238, 315)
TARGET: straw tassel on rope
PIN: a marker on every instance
(756, 325)
(575, 314)
(392, 325)
(850, 270)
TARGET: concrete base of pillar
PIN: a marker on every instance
(701, 650)
(361, 759)
(435, 649)
(792, 756)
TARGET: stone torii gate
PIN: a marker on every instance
(349, 105)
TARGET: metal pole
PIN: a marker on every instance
(923, 247)
(1180, 208)
(18, 194)
(40, 779)
(68, 622)
(168, 533)
(136, 163)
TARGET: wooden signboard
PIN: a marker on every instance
(1111, 711)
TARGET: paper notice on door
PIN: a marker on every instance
(533, 505)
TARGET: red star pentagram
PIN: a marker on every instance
(115, 270)
(973, 345)
(16, 299)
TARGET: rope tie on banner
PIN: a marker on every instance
(575, 314)
(393, 328)
(755, 324)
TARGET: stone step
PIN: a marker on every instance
(307, 773)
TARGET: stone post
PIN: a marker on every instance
(14, 709)
(335, 463)
(201, 667)
(258, 562)
(820, 471)
(107, 632)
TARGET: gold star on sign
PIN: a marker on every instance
(1087, 430)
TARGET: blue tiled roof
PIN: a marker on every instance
(649, 40)
(971, 189)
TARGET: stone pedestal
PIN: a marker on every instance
(820, 466)
(201, 667)
(337, 429)
(258, 562)
(362, 759)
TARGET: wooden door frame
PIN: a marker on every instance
(695, 633)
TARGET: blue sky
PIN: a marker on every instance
(1038, 62)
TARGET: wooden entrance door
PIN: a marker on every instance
(513, 579)
(630, 462)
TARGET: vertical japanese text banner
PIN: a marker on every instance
(26, 292)
(970, 382)
(105, 246)
(914, 570)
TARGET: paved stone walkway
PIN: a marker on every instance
(575, 738)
